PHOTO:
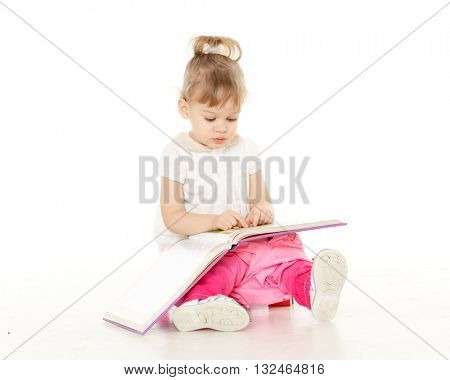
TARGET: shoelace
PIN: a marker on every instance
(219, 297)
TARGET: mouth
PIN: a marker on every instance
(219, 140)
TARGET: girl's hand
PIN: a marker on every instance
(228, 220)
(261, 213)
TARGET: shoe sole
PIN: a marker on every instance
(216, 315)
(329, 274)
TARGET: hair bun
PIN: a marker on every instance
(228, 47)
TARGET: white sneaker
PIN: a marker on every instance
(328, 276)
(216, 312)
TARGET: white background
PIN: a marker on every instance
(69, 148)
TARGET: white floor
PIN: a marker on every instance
(362, 329)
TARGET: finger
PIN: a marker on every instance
(262, 215)
(256, 216)
(240, 219)
(230, 221)
(225, 224)
(263, 218)
(271, 218)
(233, 220)
(243, 222)
(266, 216)
(237, 220)
(249, 217)
(240, 223)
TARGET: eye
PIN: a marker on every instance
(210, 120)
(232, 119)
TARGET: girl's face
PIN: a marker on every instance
(212, 127)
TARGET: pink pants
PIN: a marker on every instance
(259, 272)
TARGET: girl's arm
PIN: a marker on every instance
(174, 214)
(181, 221)
(261, 209)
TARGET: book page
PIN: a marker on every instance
(233, 235)
(217, 237)
(229, 235)
(272, 228)
(170, 273)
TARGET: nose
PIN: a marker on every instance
(221, 128)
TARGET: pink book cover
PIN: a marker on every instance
(210, 266)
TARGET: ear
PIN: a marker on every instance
(183, 108)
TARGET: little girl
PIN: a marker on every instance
(201, 181)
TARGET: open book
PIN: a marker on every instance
(181, 267)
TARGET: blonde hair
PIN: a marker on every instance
(213, 75)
